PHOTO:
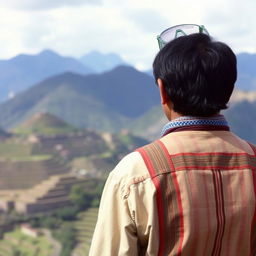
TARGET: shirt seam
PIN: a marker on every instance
(134, 181)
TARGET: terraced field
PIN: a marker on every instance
(85, 227)
(16, 243)
(14, 174)
(14, 147)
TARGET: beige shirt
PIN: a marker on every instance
(218, 206)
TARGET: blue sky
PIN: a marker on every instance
(129, 28)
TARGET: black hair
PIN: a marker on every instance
(198, 74)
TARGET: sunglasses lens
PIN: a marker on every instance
(168, 35)
(181, 30)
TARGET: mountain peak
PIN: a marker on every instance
(44, 123)
(101, 62)
(48, 53)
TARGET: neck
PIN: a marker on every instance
(171, 114)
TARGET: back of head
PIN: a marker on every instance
(198, 74)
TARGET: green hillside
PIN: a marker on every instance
(44, 124)
(16, 243)
(103, 102)
(84, 228)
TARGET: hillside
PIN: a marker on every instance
(39, 153)
(240, 115)
(44, 124)
(105, 102)
(246, 71)
(22, 71)
(149, 125)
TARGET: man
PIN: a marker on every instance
(192, 192)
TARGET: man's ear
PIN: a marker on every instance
(162, 91)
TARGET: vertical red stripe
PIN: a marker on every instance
(222, 211)
(217, 213)
(175, 181)
(253, 246)
(159, 199)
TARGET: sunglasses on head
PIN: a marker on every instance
(179, 30)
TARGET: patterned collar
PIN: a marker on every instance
(217, 122)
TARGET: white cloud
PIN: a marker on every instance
(44, 4)
(148, 20)
(128, 28)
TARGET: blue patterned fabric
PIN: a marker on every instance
(183, 121)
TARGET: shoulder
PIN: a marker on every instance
(131, 170)
(131, 166)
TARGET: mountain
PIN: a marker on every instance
(246, 64)
(22, 71)
(150, 124)
(107, 101)
(44, 124)
(100, 62)
(241, 116)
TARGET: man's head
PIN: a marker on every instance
(197, 73)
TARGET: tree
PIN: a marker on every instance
(80, 197)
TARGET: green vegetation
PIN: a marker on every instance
(66, 235)
(84, 227)
(16, 243)
(64, 222)
(87, 194)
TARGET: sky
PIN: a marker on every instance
(128, 28)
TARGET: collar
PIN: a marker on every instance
(184, 123)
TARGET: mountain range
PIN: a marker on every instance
(24, 71)
(116, 99)
(107, 101)
(122, 98)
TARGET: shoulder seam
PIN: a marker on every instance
(133, 181)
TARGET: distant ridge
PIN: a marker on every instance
(246, 63)
(239, 96)
(22, 71)
(241, 116)
(101, 62)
